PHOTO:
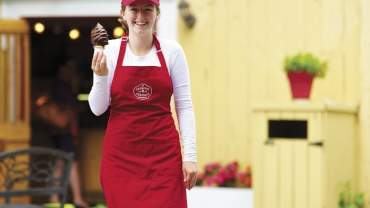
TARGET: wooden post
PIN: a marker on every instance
(14, 50)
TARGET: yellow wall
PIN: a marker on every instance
(236, 51)
(1, 8)
(364, 119)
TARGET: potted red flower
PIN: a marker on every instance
(301, 69)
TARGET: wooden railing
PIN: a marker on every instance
(14, 83)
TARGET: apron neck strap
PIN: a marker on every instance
(159, 52)
(157, 45)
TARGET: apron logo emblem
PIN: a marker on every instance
(142, 91)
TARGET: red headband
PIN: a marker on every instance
(128, 2)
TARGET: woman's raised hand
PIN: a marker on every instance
(99, 63)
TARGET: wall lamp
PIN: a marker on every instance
(186, 14)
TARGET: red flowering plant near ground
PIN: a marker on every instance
(215, 174)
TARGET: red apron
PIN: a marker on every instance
(142, 165)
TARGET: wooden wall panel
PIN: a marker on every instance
(236, 53)
(300, 175)
(14, 84)
(2, 83)
(363, 145)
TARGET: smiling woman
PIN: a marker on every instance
(149, 10)
(142, 165)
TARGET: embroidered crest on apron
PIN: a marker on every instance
(142, 91)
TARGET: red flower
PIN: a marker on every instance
(226, 176)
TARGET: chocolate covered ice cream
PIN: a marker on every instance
(99, 36)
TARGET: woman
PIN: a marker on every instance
(65, 95)
(51, 121)
(142, 165)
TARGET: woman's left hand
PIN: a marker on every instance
(190, 170)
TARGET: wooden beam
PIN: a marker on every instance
(13, 26)
(7, 80)
(18, 71)
(26, 79)
(2, 84)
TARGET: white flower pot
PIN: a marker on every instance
(215, 197)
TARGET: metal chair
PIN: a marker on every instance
(30, 172)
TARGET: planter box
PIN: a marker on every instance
(212, 197)
(300, 84)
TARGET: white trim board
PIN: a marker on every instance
(15, 9)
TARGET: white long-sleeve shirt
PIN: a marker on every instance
(99, 97)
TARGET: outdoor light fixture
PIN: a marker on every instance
(186, 14)
(74, 34)
(83, 97)
(39, 27)
(118, 32)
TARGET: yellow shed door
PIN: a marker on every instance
(290, 174)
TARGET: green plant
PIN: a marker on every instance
(57, 205)
(306, 62)
(348, 199)
(100, 205)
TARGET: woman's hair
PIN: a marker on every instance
(124, 23)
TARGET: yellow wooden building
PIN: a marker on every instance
(235, 53)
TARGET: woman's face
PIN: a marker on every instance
(141, 17)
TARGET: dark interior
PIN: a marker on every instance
(53, 48)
